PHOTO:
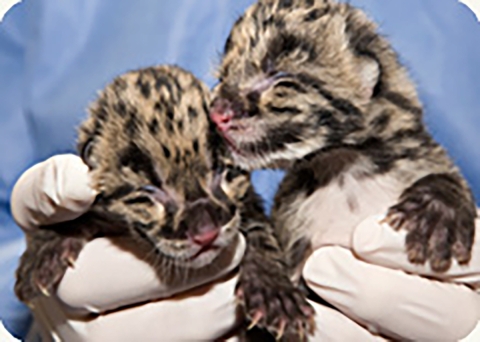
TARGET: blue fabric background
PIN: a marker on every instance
(55, 55)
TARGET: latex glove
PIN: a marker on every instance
(107, 278)
(367, 284)
(53, 191)
(203, 314)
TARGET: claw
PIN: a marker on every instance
(71, 262)
(387, 219)
(256, 318)
(281, 330)
(44, 290)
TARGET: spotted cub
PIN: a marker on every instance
(165, 182)
(311, 87)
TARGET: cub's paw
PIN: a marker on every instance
(440, 220)
(270, 301)
(41, 269)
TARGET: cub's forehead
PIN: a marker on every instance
(271, 30)
(155, 115)
(164, 93)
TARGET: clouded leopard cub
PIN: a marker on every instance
(311, 87)
(164, 181)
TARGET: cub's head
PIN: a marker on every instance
(297, 76)
(158, 168)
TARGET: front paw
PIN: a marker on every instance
(440, 221)
(270, 301)
(42, 268)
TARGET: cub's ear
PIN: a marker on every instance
(369, 73)
(85, 149)
(89, 129)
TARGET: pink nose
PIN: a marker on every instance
(222, 114)
(221, 118)
(206, 238)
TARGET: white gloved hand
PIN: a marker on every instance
(371, 286)
(53, 191)
(107, 278)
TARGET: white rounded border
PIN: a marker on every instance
(4, 334)
(474, 5)
(5, 6)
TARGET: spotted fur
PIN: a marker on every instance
(311, 87)
(165, 183)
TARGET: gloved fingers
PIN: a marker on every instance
(332, 325)
(200, 316)
(53, 191)
(106, 277)
(390, 301)
(379, 244)
(203, 315)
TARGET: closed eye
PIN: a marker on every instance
(283, 110)
(150, 189)
(155, 194)
(138, 200)
(290, 85)
(278, 75)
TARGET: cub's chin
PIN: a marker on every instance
(214, 255)
(185, 254)
(254, 159)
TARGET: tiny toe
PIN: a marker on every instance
(276, 305)
(301, 330)
(254, 300)
(417, 253)
(307, 310)
(25, 293)
(394, 219)
(461, 253)
(440, 248)
(286, 304)
(239, 293)
(440, 265)
(302, 307)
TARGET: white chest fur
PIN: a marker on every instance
(330, 214)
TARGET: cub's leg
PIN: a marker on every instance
(269, 298)
(438, 211)
(44, 263)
